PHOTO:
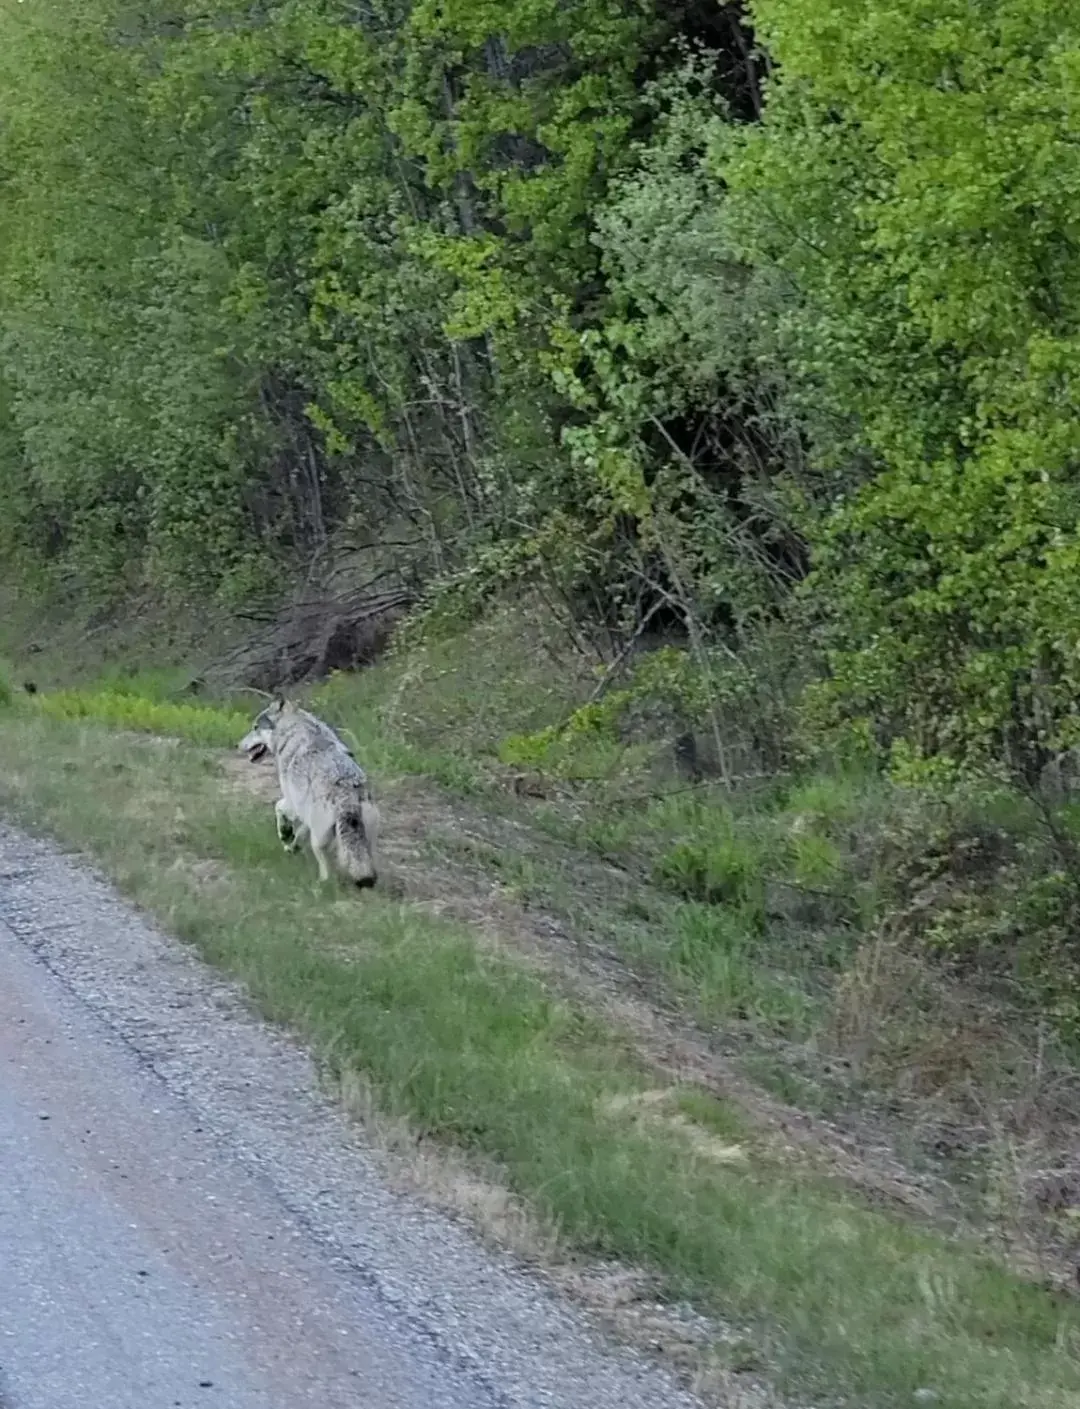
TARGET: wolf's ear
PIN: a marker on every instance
(279, 702)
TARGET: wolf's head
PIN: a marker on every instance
(259, 740)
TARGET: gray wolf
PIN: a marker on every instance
(325, 796)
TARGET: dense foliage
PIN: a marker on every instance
(918, 183)
(726, 324)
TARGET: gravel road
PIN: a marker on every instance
(185, 1220)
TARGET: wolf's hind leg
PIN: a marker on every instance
(320, 845)
(286, 826)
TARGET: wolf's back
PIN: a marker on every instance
(313, 756)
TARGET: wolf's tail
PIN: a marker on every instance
(357, 835)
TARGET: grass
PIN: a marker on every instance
(199, 724)
(749, 877)
(842, 1300)
(713, 958)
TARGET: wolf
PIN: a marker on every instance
(325, 796)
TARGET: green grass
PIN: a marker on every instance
(200, 724)
(715, 959)
(842, 1299)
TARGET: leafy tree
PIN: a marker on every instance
(535, 289)
(916, 179)
(312, 277)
